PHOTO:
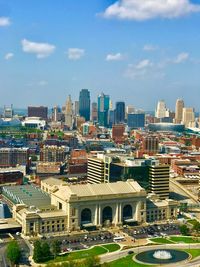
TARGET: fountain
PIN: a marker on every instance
(162, 255)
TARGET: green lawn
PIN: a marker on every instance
(194, 252)
(95, 251)
(161, 240)
(111, 247)
(184, 239)
(192, 221)
(126, 262)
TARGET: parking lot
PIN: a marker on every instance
(81, 241)
(154, 230)
(88, 239)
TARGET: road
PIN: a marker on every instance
(3, 260)
(120, 254)
(178, 188)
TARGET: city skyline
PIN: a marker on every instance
(150, 55)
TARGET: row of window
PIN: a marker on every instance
(53, 222)
(53, 228)
(156, 211)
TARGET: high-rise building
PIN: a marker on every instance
(95, 170)
(8, 112)
(161, 110)
(129, 109)
(118, 131)
(159, 180)
(94, 111)
(111, 117)
(179, 110)
(136, 119)
(84, 104)
(76, 108)
(150, 144)
(120, 112)
(188, 117)
(52, 153)
(69, 113)
(41, 112)
(103, 108)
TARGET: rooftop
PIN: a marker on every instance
(96, 190)
(29, 195)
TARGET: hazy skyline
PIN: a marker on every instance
(135, 51)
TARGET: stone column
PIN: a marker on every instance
(138, 217)
(120, 213)
(100, 215)
(96, 215)
(116, 217)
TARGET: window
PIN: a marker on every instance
(73, 211)
(59, 205)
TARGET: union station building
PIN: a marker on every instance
(59, 207)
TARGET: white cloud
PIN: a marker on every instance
(139, 70)
(144, 64)
(149, 47)
(41, 50)
(4, 21)
(140, 10)
(182, 57)
(8, 56)
(75, 53)
(114, 57)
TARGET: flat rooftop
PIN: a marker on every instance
(29, 195)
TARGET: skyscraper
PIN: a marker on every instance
(103, 108)
(129, 109)
(84, 104)
(136, 119)
(94, 111)
(76, 108)
(120, 112)
(179, 110)
(159, 180)
(188, 117)
(69, 113)
(161, 109)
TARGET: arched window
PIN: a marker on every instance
(107, 214)
(86, 216)
(127, 212)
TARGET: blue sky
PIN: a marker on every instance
(133, 50)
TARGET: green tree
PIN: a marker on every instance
(13, 252)
(196, 227)
(55, 248)
(37, 252)
(46, 253)
(184, 229)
